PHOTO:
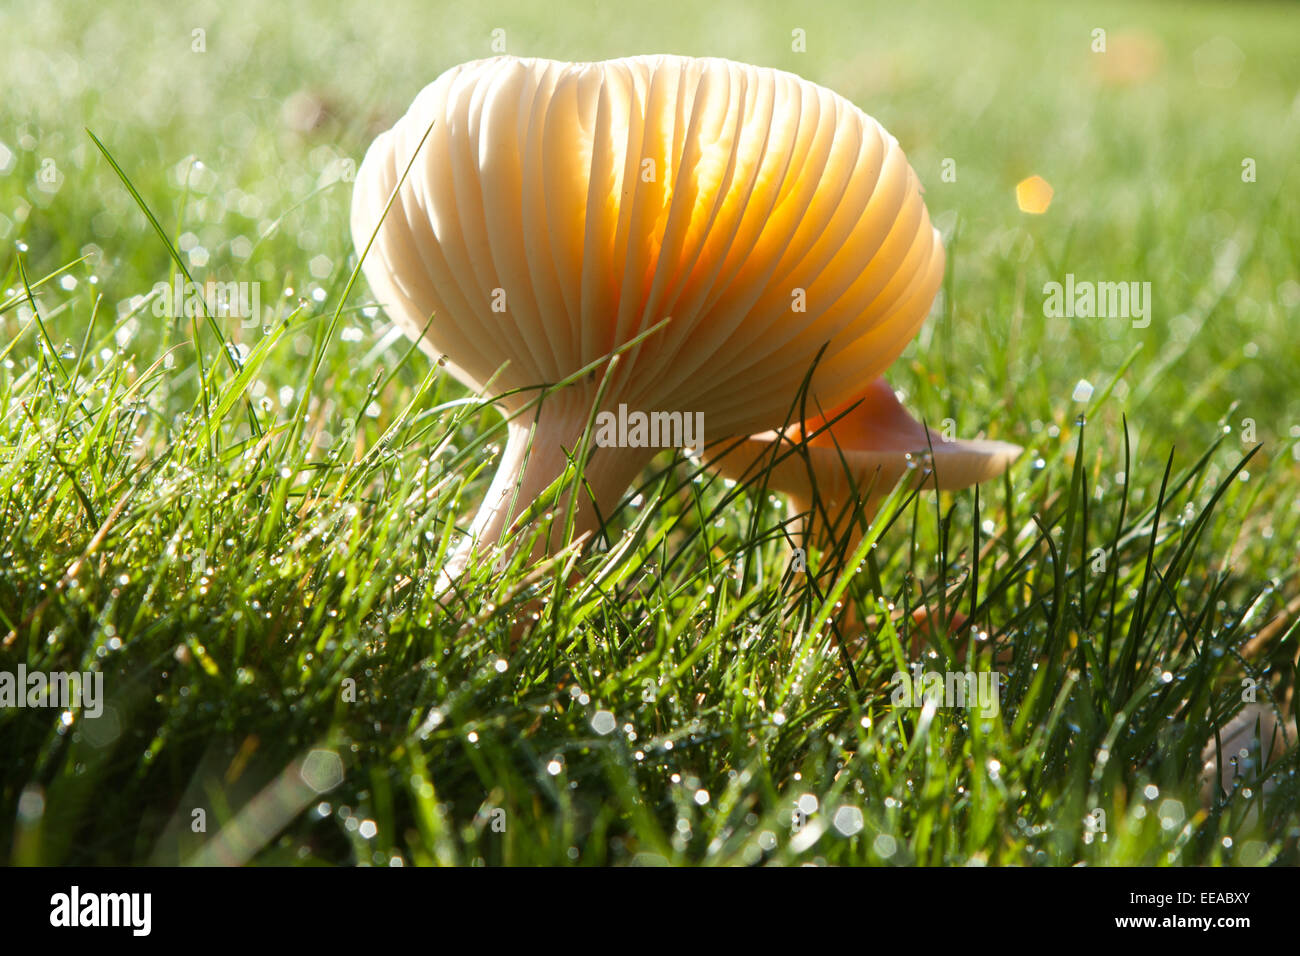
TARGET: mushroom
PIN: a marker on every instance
(856, 454)
(720, 228)
(1249, 744)
(850, 459)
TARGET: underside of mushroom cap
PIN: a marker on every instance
(556, 211)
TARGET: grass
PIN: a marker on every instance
(240, 524)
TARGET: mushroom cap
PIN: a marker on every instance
(870, 443)
(1251, 742)
(556, 211)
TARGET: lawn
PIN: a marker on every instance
(239, 522)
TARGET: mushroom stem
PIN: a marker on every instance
(538, 448)
(808, 523)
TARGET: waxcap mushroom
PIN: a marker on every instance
(860, 451)
(544, 215)
(1251, 742)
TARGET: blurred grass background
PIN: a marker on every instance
(242, 150)
(1143, 145)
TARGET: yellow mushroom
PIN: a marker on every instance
(1247, 745)
(855, 455)
(554, 212)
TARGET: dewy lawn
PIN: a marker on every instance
(236, 515)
